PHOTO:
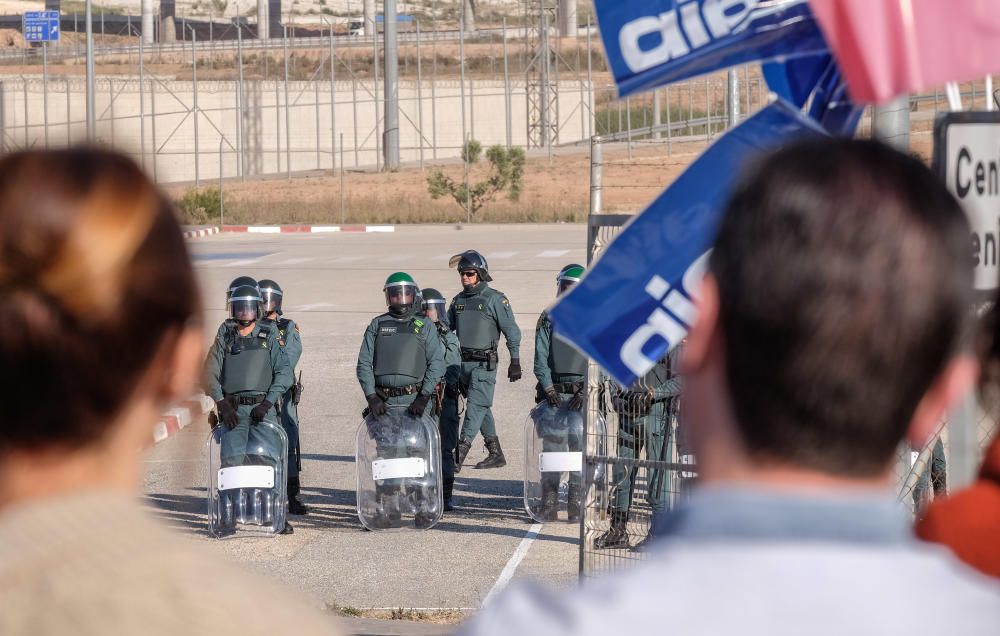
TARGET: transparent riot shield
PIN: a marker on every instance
(247, 469)
(553, 476)
(399, 471)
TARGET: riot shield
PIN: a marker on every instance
(398, 471)
(247, 469)
(553, 467)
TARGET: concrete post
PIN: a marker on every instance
(168, 29)
(147, 21)
(369, 18)
(891, 123)
(567, 18)
(733, 99)
(469, 16)
(262, 20)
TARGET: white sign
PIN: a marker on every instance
(967, 156)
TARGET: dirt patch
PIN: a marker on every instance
(434, 617)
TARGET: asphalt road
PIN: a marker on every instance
(333, 286)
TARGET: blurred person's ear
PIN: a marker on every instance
(952, 385)
(704, 333)
(183, 361)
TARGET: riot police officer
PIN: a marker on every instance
(447, 391)
(479, 314)
(289, 337)
(561, 371)
(644, 417)
(246, 373)
(401, 359)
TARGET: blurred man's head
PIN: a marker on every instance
(833, 314)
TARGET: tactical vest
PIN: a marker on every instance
(399, 349)
(475, 325)
(247, 364)
(564, 360)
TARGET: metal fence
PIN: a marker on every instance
(629, 168)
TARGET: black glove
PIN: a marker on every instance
(452, 391)
(227, 413)
(552, 397)
(376, 405)
(514, 370)
(419, 405)
(213, 419)
(259, 412)
(577, 401)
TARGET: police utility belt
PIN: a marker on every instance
(397, 391)
(247, 400)
(489, 356)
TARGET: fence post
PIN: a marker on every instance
(142, 110)
(152, 127)
(378, 137)
(222, 203)
(45, 91)
(194, 77)
(420, 100)
(342, 208)
(596, 174)
(240, 105)
(288, 120)
(333, 107)
(434, 67)
(461, 79)
(506, 85)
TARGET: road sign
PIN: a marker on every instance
(41, 26)
(967, 157)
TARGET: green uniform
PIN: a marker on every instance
(448, 422)
(478, 317)
(640, 428)
(291, 343)
(559, 366)
(399, 359)
(252, 368)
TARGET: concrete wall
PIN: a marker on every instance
(157, 125)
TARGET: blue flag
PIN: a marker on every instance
(649, 43)
(636, 303)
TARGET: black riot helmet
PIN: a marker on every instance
(245, 305)
(239, 282)
(270, 293)
(471, 260)
(434, 300)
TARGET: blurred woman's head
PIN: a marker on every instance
(98, 301)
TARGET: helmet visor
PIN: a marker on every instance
(401, 294)
(244, 309)
(564, 285)
(272, 300)
(435, 310)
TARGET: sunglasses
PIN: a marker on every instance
(468, 274)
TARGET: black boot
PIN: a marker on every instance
(495, 458)
(287, 529)
(461, 452)
(617, 534)
(573, 504)
(550, 502)
(449, 487)
(295, 506)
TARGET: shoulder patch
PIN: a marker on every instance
(504, 300)
(418, 322)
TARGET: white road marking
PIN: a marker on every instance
(500, 255)
(508, 570)
(347, 259)
(293, 261)
(264, 229)
(242, 263)
(552, 253)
